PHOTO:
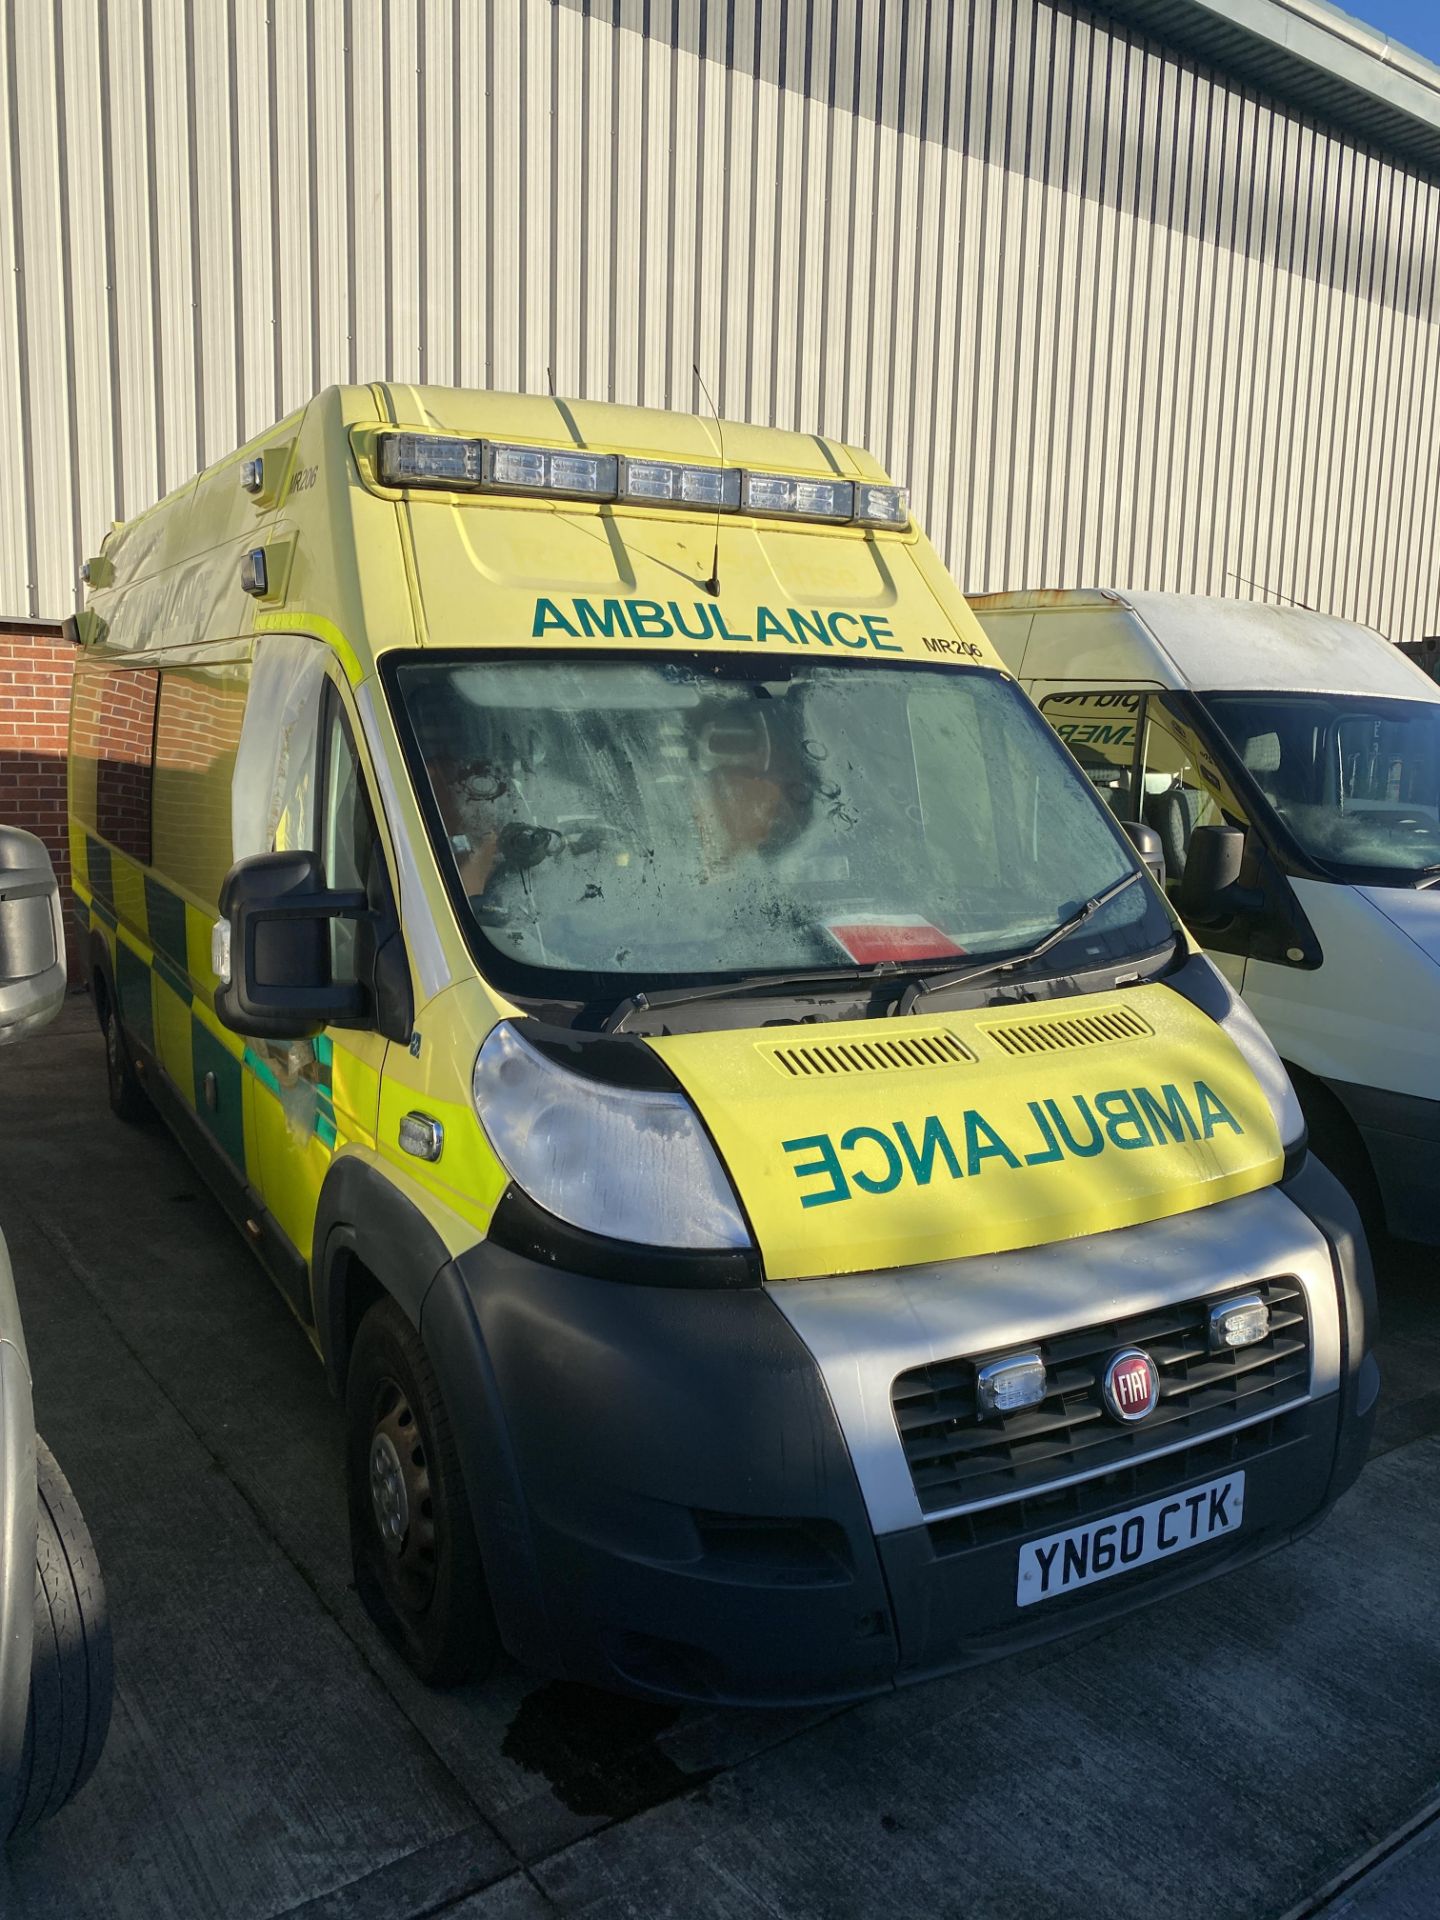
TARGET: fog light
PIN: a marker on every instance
(1012, 1384)
(1238, 1323)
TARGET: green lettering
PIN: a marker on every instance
(880, 631)
(548, 615)
(982, 1142)
(932, 1140)
(828, 1164)
(648, 621)
(1052, 1145)
(808, 627)
(867, 1182)
(767, 627)
(608, 624)
(1213, 1111)
(1122, 1119)
(722, 632)
(1174, 1118)
(834, 625)
(1072, 1145)
(689, 632)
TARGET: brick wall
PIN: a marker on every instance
(35, 669)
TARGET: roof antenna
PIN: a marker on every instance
(550, 376)
(1258, 588)
(712, 585)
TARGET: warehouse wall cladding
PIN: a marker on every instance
(1156, 312)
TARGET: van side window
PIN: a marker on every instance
(113, 743)
(1099, 726)
(197, 730)
(1183, 788)
(349, 847)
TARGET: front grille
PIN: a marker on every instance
(958, 1460)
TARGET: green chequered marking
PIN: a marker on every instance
(262, 1071)
(174, 979)
(226, 1119)
(132, 984)
(324, 1111)
(105, 915)
(97, 865)
(166, 915)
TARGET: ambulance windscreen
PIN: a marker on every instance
(614, 821)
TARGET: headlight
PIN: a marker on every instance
(633, 1164)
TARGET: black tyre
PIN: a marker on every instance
(71, 1668)
(1335, 1139)
(412, 1541)
(128, 1099)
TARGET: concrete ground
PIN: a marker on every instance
(1225, 1753)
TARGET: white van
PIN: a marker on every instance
(1290, 765)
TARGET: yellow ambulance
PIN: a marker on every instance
(786, 1206)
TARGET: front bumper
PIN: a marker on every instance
(673, 1498)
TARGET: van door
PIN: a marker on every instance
(315, 1097)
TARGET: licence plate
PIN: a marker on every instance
(1065, 1562)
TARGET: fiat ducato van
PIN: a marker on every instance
(786, 1205)
(1290, 764)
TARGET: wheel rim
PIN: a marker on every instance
(401, 1504)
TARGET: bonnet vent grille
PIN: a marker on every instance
(938, 1049)
(1072, 1030)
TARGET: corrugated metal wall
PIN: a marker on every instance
(1115, 320)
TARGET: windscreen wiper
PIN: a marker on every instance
(756, 983)
(938, 982)
(1429, 877)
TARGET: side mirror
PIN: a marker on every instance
(1210, 885)
(272, 950)
(1147, 843)
(32, 936)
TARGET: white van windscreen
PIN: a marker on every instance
(670, 821)
(1356, 780)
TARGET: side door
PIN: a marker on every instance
(314, 1098)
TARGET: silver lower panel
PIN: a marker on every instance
(863, 1329)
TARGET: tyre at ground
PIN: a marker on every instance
(128, 1099)
(412, 1540)
(71, 1671)
(1335, 1140)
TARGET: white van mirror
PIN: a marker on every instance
(32, 936)
(1210, 885)
(278, 978)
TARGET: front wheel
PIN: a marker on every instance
(412, 1541)
(128, 1099)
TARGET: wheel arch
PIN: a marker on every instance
(371, 1240)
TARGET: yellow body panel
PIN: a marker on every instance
(846, 1163)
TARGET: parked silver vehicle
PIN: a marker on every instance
(55, 1664)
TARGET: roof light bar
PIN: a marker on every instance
(664, 482)
(429, 460)
(547, 470)
(881, 506)
(455, 465)
(794, 496)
